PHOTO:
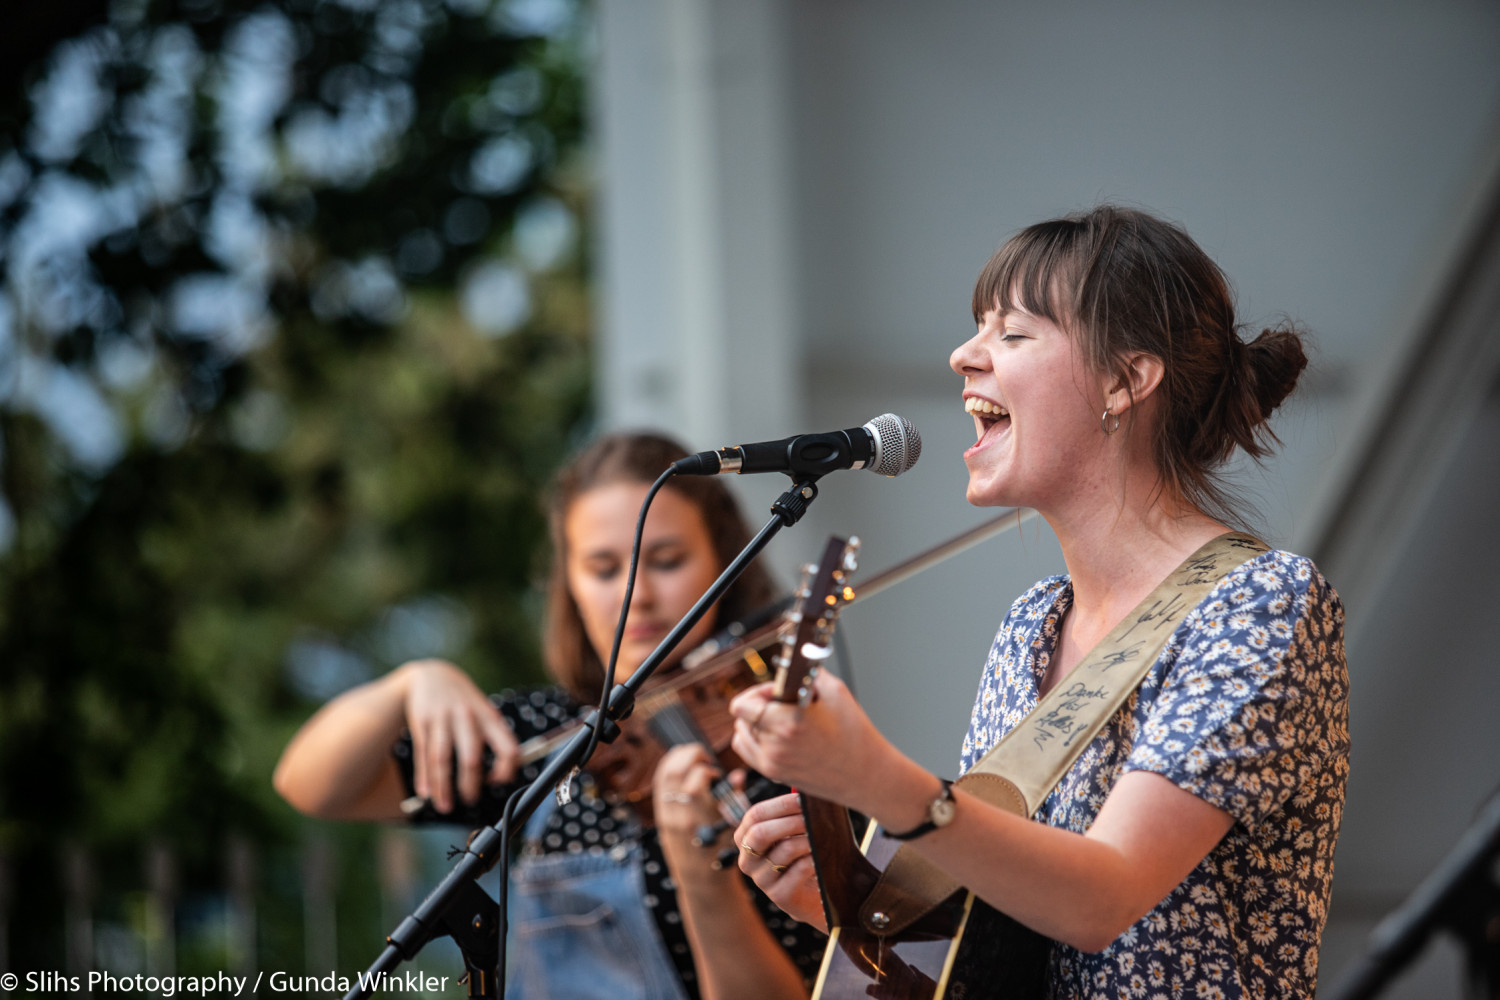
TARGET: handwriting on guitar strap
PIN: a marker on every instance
(1204, 569)
(1119, 656)
(1159, 615)
(1196, 572)
(1061, 720)
(1062, 715)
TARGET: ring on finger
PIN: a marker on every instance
(681, 797)
(755, 726)
(778, 869)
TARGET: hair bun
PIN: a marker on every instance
(1272, 363)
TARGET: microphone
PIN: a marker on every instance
(887, 444)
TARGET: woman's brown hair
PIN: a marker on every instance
(1125, 282)
(637, 458)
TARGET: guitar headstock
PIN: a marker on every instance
(807, 629)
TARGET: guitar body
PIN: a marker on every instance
(964, 950)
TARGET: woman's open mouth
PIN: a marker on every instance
(987, 416)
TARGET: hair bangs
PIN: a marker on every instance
(1033, 271)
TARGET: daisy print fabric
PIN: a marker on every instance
(1247, 708)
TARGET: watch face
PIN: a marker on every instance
(941, 811)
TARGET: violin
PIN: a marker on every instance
(690, 703)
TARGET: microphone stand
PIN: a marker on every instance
(458, 907)
(1460, 895)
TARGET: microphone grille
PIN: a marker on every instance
(897, 444)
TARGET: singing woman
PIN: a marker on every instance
(1188, 852)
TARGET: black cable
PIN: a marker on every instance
(603, 719)
(614, 650)
(503, 892)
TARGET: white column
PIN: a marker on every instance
(696, 299)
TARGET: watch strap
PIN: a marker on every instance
(930, 824)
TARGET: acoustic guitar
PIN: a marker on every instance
(964, 949)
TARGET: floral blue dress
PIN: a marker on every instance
(1247, 708)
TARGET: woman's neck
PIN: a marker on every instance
(1117, 552)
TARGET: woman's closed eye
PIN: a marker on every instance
(661, 561)
(602, 569)
(665, 562)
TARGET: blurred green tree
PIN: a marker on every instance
(293, 331)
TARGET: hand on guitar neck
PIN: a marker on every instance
(831, 749)
(805, 729)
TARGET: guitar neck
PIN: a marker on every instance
(843, 872)
(845, 875)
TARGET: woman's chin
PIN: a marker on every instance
(984, 491)
(629, 662)
(635, 655)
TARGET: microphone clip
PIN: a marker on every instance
(791, 505)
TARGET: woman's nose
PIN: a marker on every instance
(968, 358)
(643, 593)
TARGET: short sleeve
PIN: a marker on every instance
(1253, 707)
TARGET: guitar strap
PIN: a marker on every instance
(1018, 772)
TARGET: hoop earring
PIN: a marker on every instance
(1104, 422)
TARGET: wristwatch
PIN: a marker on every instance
(939, 813)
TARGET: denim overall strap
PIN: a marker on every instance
(580, 927)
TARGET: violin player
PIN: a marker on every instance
(594, 906)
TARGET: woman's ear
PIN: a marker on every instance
(1135, 382)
